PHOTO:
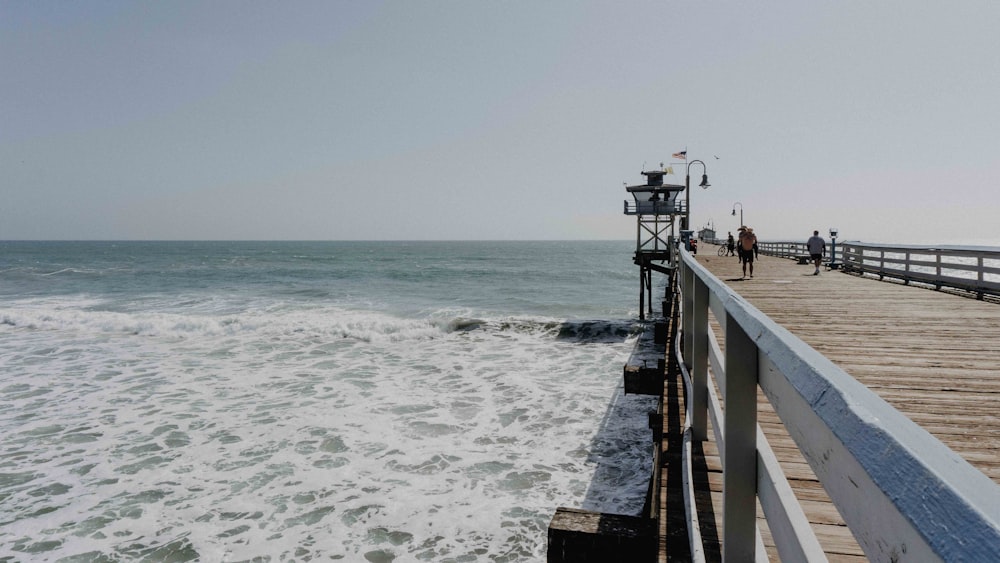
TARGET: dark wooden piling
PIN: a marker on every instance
(580, 535)
(583, 536)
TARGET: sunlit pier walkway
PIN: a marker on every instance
(932, 355)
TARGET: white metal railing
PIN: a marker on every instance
(783, 248)
(662, 207)
(904, 494)
(667, 207)
(974, 269)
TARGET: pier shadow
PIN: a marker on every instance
(622, 454)
(620, 450)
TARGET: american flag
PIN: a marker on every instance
(681, 155)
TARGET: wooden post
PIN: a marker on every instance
(668, 300)
(580, 536)
(642, 291)
(649, 290)
(739, 459)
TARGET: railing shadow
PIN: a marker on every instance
(703, 504)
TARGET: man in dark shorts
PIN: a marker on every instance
(748, 241)
(817, 248)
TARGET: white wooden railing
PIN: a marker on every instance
(787, 249)
(903, 494)
(974, 269)
(783, 248)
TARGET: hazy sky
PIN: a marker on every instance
(495, 120)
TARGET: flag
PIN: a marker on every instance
(681, 155)
(668, 170)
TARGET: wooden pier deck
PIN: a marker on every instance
(933, 356)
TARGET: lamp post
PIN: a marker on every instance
(741, 211)
(687, 187)
(833, 249)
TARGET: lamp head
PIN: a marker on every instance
(734, 212)
(704, 181)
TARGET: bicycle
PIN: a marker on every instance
(722, 250)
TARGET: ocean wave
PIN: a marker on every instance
(599, 330)
(584, 331)
(108, 322)
(372, 327)
(320, 323)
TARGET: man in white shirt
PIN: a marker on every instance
(817, 248)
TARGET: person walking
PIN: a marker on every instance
(730, 244)
(748, 243)
(817, 249)
(739, 243)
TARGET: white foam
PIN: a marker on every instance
(327, 430)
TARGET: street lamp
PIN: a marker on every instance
(687, 186)
(741, 212)
(833, 249)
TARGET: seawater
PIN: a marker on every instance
(301, 401)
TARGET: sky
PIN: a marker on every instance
(496, 120)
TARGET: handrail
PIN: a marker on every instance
(903, 493)
(778, 248)
(662, 207)
(687, 474)
(783, 248)
(974, 269)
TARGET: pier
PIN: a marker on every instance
(849, 415)
(876, 401)
(930, 355)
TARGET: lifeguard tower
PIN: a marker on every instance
(657, 210)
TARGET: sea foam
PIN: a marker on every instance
(309, 432)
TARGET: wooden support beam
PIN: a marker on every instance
(581, 536)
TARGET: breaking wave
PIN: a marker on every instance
(365, 326)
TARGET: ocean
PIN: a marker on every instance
(303, 401)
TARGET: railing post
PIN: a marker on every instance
(981, 278)
(699, 361)
(938, 276)
(739, 481)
